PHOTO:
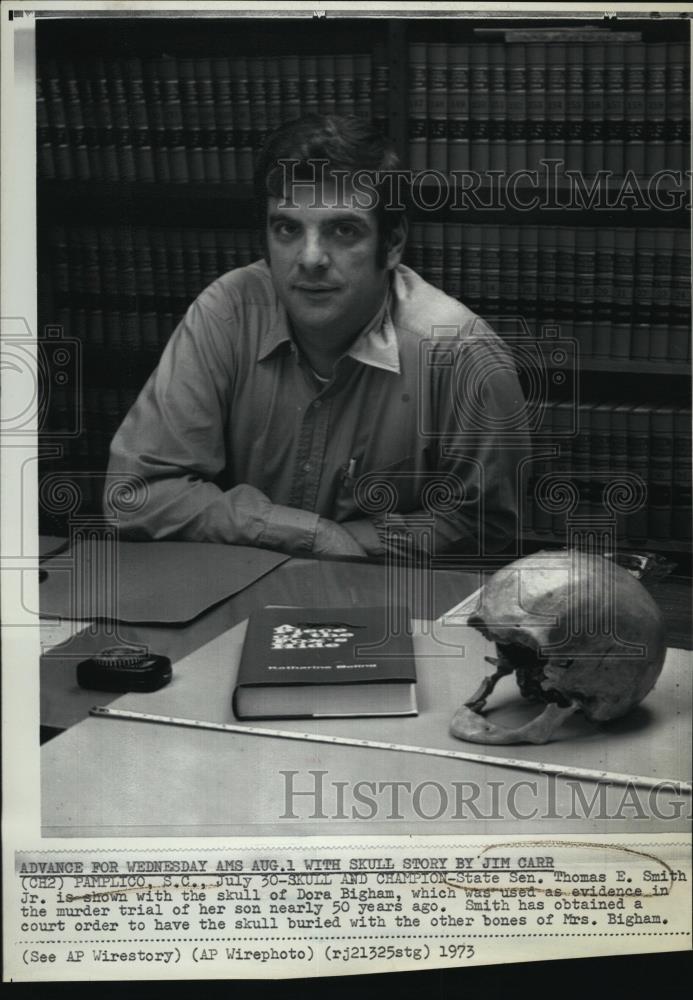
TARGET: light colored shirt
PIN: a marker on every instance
(415, 440)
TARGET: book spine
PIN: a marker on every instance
(655, 107)
(310, 98)
(547, 274)
(381, 88)
(509, 276)
(257, 98)
(452, 259)
(344, 80)
(458, 107)
(618, 419)
(600, 455)
(417, 106)
(516, 107)
(490, 273)
(242, 118)
(614, 108)
(639, 464)
(125, 152)
(291, 86)
(680, 314)
(58, 118)
(173, 120)
(682, 515)
(677, 130)
(191, 139)
(659, 339)
(479, 107)
(603, 292)
(155, 113)
(363, 83)
(585, 274)
(575, 107)
(661, 472)
(536, 74)
(209, 134)
(624, 266)
(74, 120)
(415, 249)
(634, 139)
(433, 252)
(643, 293)
(327, 84)
(582, 460)
(565, 279)
(529, 274)
(471, 267)
(133, 72)
(498, 111)
(44, 144)
(595, 103)
(146, 294)
(437, 155)
(223, 100)
(556, 102)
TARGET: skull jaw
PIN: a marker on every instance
(467, 724)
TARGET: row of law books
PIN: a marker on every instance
(596, 104)
(624, 293)
(176, 119)
(625, 460)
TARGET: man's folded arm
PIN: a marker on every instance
(170, 449)
(471, 500)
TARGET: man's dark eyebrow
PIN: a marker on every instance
(344, 215)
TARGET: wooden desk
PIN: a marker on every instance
(123, 778)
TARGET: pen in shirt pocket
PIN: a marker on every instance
(349, 470)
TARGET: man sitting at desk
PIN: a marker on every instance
(326, 400)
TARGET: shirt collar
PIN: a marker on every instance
(376, 345)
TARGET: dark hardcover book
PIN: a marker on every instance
(498, 111)
(458, 107)
(661, 305)
(634, 147)
(417, 107)
(595, 96)
(677, 107)
(614, 108)
(326, 663)
(575, 107)
(344, 71)
(381, 88)
(638, 451)
(452, 259)
(536, 104)
(681, 514)
(516, 107)
(655, 107)
(661, 471)
(556, 124)
(604, 291)
(437, 54)
(480, 103)
(585, 255)
(643, 293)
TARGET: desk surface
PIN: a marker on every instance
(109, 778)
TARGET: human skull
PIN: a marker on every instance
(579, 633)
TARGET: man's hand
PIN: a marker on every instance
(333, 540)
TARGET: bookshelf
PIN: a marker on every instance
(145, 136)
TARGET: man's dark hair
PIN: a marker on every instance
(315, 145)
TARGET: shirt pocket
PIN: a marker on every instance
(384, 489)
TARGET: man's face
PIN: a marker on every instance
(323, 263)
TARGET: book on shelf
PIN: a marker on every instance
(326, 663)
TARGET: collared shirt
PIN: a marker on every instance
(415, 440)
